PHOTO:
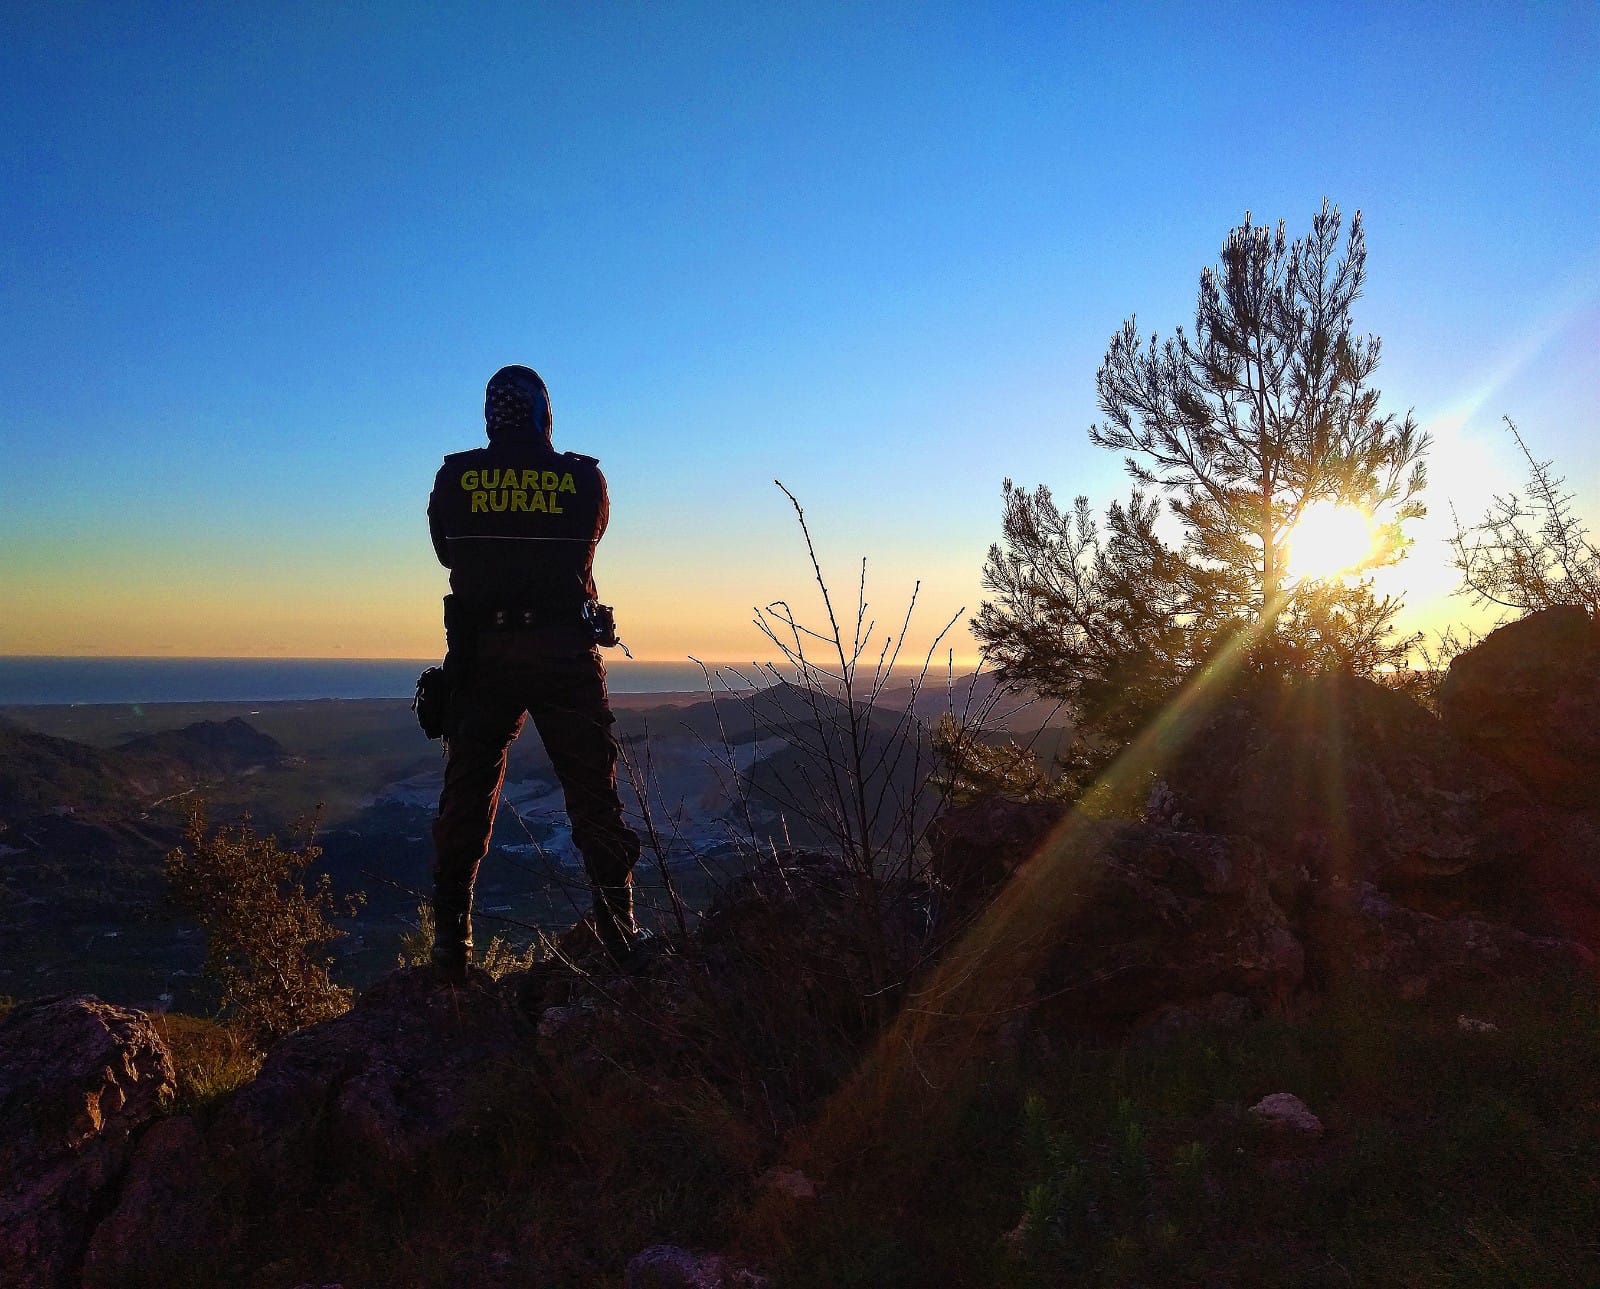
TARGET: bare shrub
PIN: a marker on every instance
(866, 761)
(264, 928)
(861, 774)
(1532, 551)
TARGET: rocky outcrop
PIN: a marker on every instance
(1160, 920)
(357, 1100)
(1361, 934)
(665, 1266)
(975, 847)
(1527, 697)
(78, 1079)
(1343, 780)
(371, 1091)
(162, 1208)
(1167, 918)
(1169, 928)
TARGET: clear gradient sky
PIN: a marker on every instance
(258, 260)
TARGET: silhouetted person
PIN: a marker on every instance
(516, 523)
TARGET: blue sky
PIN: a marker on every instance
(258, 262)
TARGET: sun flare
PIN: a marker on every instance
(1329, 540)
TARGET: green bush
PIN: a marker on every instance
(264, 928)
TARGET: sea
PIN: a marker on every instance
(31, 681)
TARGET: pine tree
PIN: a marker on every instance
(1264, 411)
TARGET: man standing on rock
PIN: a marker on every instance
(517, 523)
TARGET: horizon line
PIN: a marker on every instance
(427, 660)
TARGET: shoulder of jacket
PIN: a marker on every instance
(579, 459)
(457, 458)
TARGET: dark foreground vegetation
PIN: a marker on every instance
(1450, 1155)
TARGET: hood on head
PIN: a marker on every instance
(516, 405)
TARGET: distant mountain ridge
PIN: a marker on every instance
(205, 747)
(41, 772)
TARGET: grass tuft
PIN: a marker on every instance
(211, 1059)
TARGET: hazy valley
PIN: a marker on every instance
(93, 796)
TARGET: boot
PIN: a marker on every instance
(620, 936)
(452, 941)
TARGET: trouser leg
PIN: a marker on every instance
(575, 724)
(475, 768)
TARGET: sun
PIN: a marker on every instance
(1329, 540)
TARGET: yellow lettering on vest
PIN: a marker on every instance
(530, 480)
(536, 502)
(480, 502)
(554, 508)
(566, 484)
(469, 480)
(499, 500)
(519, 499)
(549, 482)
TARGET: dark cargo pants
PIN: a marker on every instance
(514, 674)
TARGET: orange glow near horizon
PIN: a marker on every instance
(140, 599)
(143, 621)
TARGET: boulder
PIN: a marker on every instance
(1361, 934)
(367, 1093)
(974, 847)
(1164, 918)
(788, 1181)
(1563, 879)
(1285, 1112)
(1528, 698)
(666, 1266)
(161, 1211)
(1341, 780)
(78, 1079)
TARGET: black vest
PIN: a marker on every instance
(516, 524)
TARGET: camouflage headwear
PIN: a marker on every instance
(516, 404)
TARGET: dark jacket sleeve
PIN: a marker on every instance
(441, 547)
(604, 517)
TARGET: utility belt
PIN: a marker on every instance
(505, 617)
(463, 622)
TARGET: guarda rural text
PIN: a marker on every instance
(530, 490)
